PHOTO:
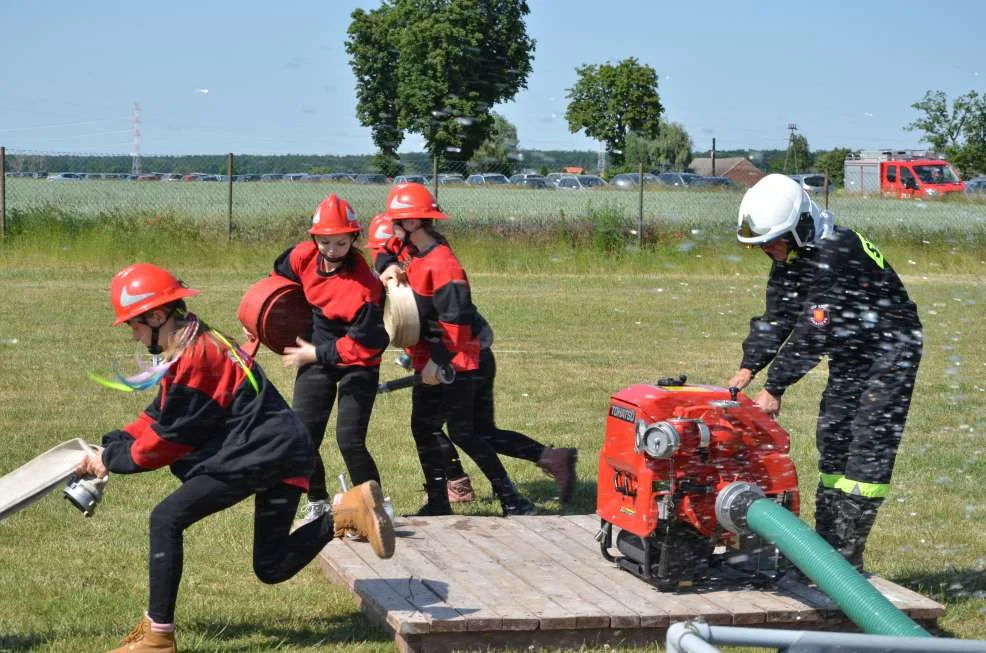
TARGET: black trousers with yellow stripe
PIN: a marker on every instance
(863, 411)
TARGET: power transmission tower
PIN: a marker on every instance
(792, 152)
(135, 151)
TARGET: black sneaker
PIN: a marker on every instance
(517, 505)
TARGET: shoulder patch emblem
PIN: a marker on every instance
(819, 315)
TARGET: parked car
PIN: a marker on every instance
(65, 176)
(722, 183)
(677, 179)
(411, 179)
(271, 176)
(627, 180)
(580, 182)
(296, 176)
(371, 178)
(529, 180)
(487, 179)
(976, 187)
(814, 183)
(450, 178)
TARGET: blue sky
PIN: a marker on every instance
(270, 78)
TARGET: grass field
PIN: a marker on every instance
(572, 325)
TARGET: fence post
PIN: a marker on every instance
(826, 182)
(434, 176)
(640, 208)
(3, 193)
(229, 197)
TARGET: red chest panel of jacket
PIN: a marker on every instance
(338, 296)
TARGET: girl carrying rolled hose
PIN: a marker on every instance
(556, 462)
(228, 435)
(450, 327)
(342, 360)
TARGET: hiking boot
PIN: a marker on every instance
(460, 490)
(315, 509)
(559, 464)
(144, 640)
(361, 510)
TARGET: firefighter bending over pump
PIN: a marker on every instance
(831, 292)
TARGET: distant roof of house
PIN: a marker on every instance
(723, 165)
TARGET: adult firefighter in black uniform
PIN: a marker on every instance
(832, 293)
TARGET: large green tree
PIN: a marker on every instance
(671, 150)
(832, 163)
(958, 131)
(498, 153)
(373, 58)
(443, 65)
(797, 158)
(609, 101)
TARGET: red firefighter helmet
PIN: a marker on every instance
(410, 201)
(334, 216)
(141, 287)
(381, 230)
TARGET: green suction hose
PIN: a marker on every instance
(860, 602)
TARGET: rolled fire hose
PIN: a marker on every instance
(742, 507)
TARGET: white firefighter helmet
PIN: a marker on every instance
(776, 206)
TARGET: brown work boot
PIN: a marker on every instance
(560, 465)
(460, 490)
(144, 640)
(361, 510)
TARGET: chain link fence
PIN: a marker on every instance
(255, 199)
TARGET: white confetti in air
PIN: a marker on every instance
(203, 91)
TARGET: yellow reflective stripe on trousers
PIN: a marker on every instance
(861, 489)
(829, 480)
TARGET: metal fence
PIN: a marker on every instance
(228, 200)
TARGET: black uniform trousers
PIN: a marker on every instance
(315, 391)
(503, 441)
(278, 553)
(864, 407)
(452, 404)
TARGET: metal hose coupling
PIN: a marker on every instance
(85, 493)
(733, 503)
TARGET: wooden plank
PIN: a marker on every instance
(745, 607)
(437, 541)
(374, 596)
(602, 578)
(412, 586)
(454, 534)
(481, 611)
(578, 572)
(915, 605)
(678, 606)
(536, 568)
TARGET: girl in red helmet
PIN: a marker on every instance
(390, 253)
(227, 434)
(341, 360)
(450, 335)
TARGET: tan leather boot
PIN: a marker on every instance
(143, 640)
(361, 510)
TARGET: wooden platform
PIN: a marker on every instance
(488, 582)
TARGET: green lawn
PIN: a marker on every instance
(567, 337)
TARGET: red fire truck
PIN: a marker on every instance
(900, 173)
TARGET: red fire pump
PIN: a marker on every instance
(670, 452)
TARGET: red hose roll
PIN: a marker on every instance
(274, 310)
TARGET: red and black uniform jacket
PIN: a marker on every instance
(347, 305)
(207, 418)
(450, 323)
(838, 297)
